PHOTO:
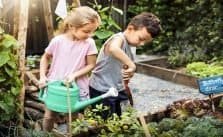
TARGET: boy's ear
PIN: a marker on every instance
(130, 27)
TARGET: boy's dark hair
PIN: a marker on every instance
(148, 20)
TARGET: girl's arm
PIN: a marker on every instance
(91, 62)
(44, 63)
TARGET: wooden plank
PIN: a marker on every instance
(48, 18)
(35, 105)
(144, 125)
(22, 35)
(160, 61)
(16, 18)
(167, 74)
(33, 114)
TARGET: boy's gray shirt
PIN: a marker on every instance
(107, 72)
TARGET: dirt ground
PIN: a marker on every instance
(151, 94)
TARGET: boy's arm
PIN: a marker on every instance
(115, 50)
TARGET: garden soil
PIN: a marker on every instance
(151, 94)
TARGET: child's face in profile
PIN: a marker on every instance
(85, 31)
(138, 37)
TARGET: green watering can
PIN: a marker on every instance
(55, 97)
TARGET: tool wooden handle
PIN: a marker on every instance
(143, 123)
(125, 67)
(127, 89)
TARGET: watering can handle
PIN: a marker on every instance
(43, 91)
(42, 94)
(73, 84)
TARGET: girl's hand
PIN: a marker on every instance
(70, 78)
(43, 82)
(127, 73)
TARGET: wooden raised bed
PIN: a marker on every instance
(166, 113)
(160, 68)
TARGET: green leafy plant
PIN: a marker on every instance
(91, 118)
(108, 26)
(185, 108)
(201, 69)
(123, 126)
(18, 131)
(191, 127)
(10, 83)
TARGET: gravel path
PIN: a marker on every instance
(151, 94)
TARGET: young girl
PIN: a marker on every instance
(72, 55)
(116, 53)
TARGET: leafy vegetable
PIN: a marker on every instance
(191, 127)
(201, 69)
(124, 126)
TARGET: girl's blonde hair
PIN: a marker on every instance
(79, 17)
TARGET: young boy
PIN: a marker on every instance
(116, 53)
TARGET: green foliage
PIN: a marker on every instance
(138, 7)
(91, 118)
(201, 69)
(124, 126)
(186, 38)
(191, 127)
(167, 124)
(10, 84)
(204, 127)
(115, 126)
(108, 26)
(18, 131)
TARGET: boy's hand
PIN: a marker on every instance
(127, 73)
(42, 82)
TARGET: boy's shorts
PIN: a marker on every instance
(112, 102)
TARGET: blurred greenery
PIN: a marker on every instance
(108, 25)
(192, 29)
(10, 83)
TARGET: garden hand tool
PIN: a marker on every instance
(127, 89)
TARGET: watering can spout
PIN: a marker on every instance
(82, 104)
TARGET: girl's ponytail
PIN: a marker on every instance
(78, 17)
(63, 26)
